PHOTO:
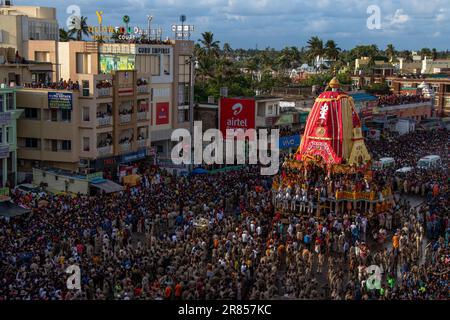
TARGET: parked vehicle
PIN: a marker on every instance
(403, 170)
(429, 162)
(384, 163)
(28, 188)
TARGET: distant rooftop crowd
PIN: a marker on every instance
(394, 99)
(60, 85)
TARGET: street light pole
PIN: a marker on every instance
(192, 66)
(149, 18)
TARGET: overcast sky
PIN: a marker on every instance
(408, 24)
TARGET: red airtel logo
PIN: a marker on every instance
(237, 109)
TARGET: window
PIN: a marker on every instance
(85, 113)
(42, 56)
(2, 103)
(66, 145)
(159, 149)
(183, 69)
(166, 64)
(183, 94)
(54, 145)
(31, 113)
(1, 135)
(66, 115)
(10, 102)
(86, 146)
(8, 135)
(53, 115)
(183, 116)
(31, 143)
(155, 62)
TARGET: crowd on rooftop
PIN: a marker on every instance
(60, 85)
(396, 99)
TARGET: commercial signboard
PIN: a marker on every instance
(285, 119)
(162, 113)
(289, 142)
(134, 156)
(236, 114)
(114, 62)
(5, 118)
(94, 176)
(60, 100)
(150, 50)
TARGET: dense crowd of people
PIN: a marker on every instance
(396, 99)
(59, 85)
(226, 236)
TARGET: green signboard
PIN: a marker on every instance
(94, 176)
(4, 192)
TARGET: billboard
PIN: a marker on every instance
(162, 113)
(114, 62)
(60, 100)
(236, 114)
(289, 142)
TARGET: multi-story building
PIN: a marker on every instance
(19, 24)
(167, 65)
(8, 135)
(105, 122)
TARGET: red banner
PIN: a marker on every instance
(162, 113)
(237, 114)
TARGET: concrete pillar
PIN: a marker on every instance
(4, 170)
(14, 166)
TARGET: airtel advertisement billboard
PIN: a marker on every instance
(236, 114)
(162, 113)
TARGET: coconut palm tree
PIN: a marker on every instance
(315, 48)
(434, 53)
(390, 52)
(64, 35)
(209, 45)
(80, 28)
(332, 50)
(227, 49)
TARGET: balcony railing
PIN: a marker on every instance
(142, 116)
(142, 143)
(105, 151)
(143, 89)
(125, 118)
(125, 147)
(104, 92)
(106, 121)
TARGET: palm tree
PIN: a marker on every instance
(407, 55)
(425, 52)
(210, 46)
(434, 53)
(80, 28)
(64, 35)
(227, 49)
(390, 52)
(116, 36)
(331, 50)
(315, 48)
